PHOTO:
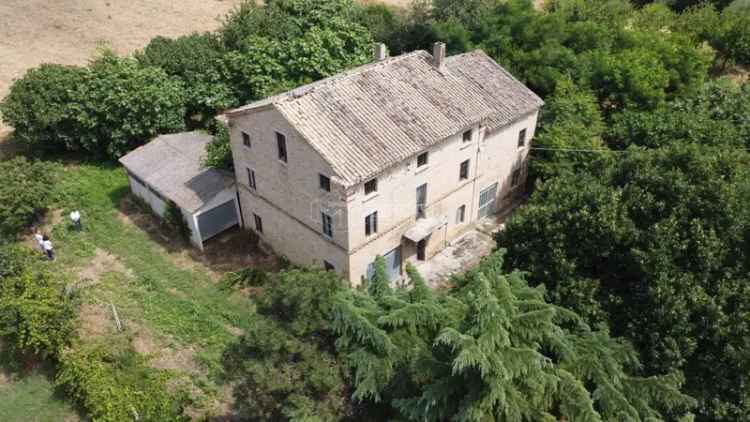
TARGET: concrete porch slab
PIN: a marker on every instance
(462, 254)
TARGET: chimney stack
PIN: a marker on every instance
(381, 52)
(438, 54)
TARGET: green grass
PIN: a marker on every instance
(31, 397)
(177, 304)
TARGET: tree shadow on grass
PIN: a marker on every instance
(15, 368)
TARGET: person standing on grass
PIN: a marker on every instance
(39, 240)
(48, 248)
(75, 216)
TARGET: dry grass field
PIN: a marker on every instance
(69, 31)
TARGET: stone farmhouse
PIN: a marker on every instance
(395, 158)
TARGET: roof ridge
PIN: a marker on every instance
(303, 90)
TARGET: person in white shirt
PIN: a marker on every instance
(75, 216)
(48, 249)
(39, 240)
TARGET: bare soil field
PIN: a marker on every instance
(69, 31)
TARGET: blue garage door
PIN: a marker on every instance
(392, 265)
(215, 221)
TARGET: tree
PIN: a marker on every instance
(491, 348)
(37, 106)
(27, 190)
(653, 245)
(195, 59)
(120, 105)
(36, 316)
(285, 366)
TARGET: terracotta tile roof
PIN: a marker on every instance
(171, 164)
(372, 117)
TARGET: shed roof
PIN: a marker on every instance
(372, 117)
(171, 164)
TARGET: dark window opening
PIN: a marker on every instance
(281, 143)
(246, 140)
(521, 138)
(328, 266)
(461, 214)
(371, 224)
(422, 159)
(327, 224)
(463, 173)
(251, 178)
(325, 183)
(371, 186)
(258, 223)
(467, 136)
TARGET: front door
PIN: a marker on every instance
(487, 201)
(421, 200)
(421, 249)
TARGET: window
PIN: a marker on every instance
(467, 136)
(281, 144)
(521, 138)
(516, 177)
(325, 182)
(328, 266)
(327, 224)
(258, 223)
(460, 214)
(371, 224)
(246, 139)
(371, 186)
(251, 178)
(463, 173)
(422, 159)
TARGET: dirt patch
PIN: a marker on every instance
(103, 262)
(95, 321)
(163, 353)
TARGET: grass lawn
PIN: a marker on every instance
(174, 310)
(31, 396)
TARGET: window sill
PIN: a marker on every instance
(465, 145)
(422, 169)
(370, 197)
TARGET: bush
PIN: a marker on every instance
(175, 220)
(285, 366)
(195, 59)
(27, 190)
(113, 383)
(37, 106)
(107, 109)
(36, 315)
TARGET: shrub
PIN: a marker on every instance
(113, 383)
(195, 59)
(36, 315)
(27, 189)
(106, 109)
(219, 151)
(37, 106)
(176, 221)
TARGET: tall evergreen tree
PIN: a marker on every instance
(491, 348)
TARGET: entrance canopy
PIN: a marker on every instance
(423, 228)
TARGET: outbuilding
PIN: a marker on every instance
(169, 168)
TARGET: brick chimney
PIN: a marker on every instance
(380, 52)
(438, 54)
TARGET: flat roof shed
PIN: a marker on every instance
(169, 168)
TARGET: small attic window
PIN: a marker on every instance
(467, 136)
(371, 186)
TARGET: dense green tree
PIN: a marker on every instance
(716, 114)
(285, 366)
(491, 348)
(37, 106)
(27, 190)
(36, 315)
(197, 60)
(654, 245)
